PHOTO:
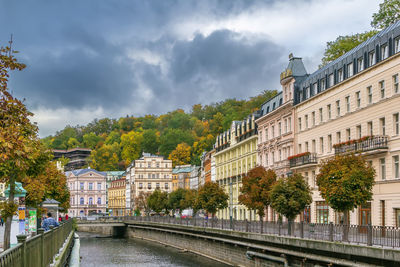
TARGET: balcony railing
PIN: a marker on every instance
(310, 158)
(282, 164)
(359, 146)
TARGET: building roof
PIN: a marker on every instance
(183, 169)
(272, 104)
(149, 155)
(115, 173)
(83, 171)
(50, 201)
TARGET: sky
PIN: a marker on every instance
(90, 59)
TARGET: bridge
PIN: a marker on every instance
(43, 249)
(250, 244)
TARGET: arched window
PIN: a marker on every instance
(81, 201)
(90, 200)
(99, 200)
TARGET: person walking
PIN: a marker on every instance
(49, 221)
(1, 221)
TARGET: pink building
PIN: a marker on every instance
(88, 192)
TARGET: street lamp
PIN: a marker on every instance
(230, 203)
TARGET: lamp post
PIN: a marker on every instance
(230, 203)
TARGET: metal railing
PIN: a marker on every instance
(384, 236)
(38, 250)
(373, 143)
(303, 160)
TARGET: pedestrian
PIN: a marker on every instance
(49, 221)
(1, 221)
(59, 218)
(66, 217)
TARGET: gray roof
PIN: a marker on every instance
(296, 66)
(83, 171)
(272, 104)
(50, 201)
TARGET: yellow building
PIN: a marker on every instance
(116, 197)
(181, 176)
(236, 154)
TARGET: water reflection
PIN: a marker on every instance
(133, 252)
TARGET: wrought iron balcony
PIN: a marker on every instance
(307, 159)
(365, 144)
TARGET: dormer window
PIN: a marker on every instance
(331, 81)
(314, 89)
(384, 51)
(360, 64)
(340, 75)
(397, 45)
(307, 93)
(323, 84)
(371, 58)
(350, 70)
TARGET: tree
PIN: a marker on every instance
(151, 141)
(176, 200)
(73, 142)
(158, 201)
(90, 140)
(343, 44)
(181, 155)
(345, 182)
(290, 196)
(212, 198)
(389, 13)
(105, 158)
(171, 138)
(113, 137)
(141, 202)
(255, 191)
(131, 146)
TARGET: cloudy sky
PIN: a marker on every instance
(108, 58)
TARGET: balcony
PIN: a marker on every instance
(302, 160)
(92, 206)
(282, 164)
(365, 145)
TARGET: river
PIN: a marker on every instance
(134, 252)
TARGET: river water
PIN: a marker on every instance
(134, 252)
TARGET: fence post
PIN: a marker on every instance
(247, 225)
(22, 239)
(41, 232)
(233, 224)
(331, 231)
(369, 235)
(302, 229)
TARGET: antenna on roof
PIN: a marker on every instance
(290, 56)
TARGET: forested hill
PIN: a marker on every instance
(116, 142)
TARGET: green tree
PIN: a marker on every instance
(113, 137)
(289, 196)
(211, 198)
(141, 202)
(151, 141)
(131, 146)
(255, 191)
(343, 44)
(158, 201)
(346, 182)
(171, 138)
(389, 13)
(73, 142)
(105, 158)
(91, 140)
(176, 200)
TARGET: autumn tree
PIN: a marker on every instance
(141, 202)
(176, 200)
(131, 146)
(105, 158)
(389, 13)
(289, 196)
(255, 191)
(212, 197)
(158, 201)
(181, 155)
(171, 138)
(345, 182)
(151, 141)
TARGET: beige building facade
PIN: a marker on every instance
(353, 104)
(235, 155)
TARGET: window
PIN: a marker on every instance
(321, 145)
(331, 81)
(396, 169)
(397, 45)
(313, 146)
(286, 126)
(338, 108)
(371, 58)
(321, 116)
(157, 185)
(323, 84)
(338, 137)
(313, 118)
(329, 112)
(280, 129)
(358, 99)
(299, 124)
(90, 201)
(382, 86)
(314, 88)
(383, 168)
(340, 75)
(300, 150)
(307, 92)
(99, 186)
(273, 131)
(81, 201)
(149, 165)
(396, 124)
(140, 185)
(370, 128)
(360, 64)
(383, 126)
(384, 51)
(306, 147)
(322, 212)
(81, 187)
(158, 165)
(306, 121)
(358, 131)
(99, 200)
(314, 182)
(348, 134)
(148, 185)
(350, 70)
(369, 94)
(166, 185)
(290, 124)
(266, 134)
(396, 83)
(330, 142)
(348, 103)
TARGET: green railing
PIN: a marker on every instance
(39, 250)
